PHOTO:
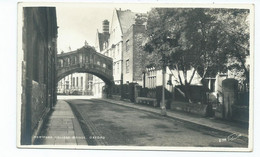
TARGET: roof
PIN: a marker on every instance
(126, 19)
(85, 49)
(66, 53)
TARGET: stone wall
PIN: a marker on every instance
(39, 49)
(39, 105)
(194, 108)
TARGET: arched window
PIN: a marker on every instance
(72, 60)
(65, 62)
(68, 61)
(61, 63)
(76, 59)
(91, 58)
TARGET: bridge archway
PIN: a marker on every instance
(85, 60)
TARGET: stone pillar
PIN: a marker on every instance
(131, 91)
(229, 90)
(137, 90)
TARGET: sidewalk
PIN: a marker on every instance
(227, 127)
(61, 128)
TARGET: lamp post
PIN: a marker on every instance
(163, 106)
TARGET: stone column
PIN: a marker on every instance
(229, 89)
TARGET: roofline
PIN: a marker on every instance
(119, 21)
(76, 51)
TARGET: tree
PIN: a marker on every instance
(197, 39)
(235, 26)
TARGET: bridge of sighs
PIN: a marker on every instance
(85, 60)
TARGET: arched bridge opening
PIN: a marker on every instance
(85, 60)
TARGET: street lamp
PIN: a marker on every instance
(163, 106)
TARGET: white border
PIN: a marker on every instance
(8, 55)
(20, 58)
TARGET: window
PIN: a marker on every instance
(118, 48)
(91, 59)
(210, 82)
(127, 45)
(61, 63)
(67, 84)
(68, 61)
(113, 52)
(151, 78)
(118, 67)
(73, 60)
(73, 82)
(114, 68)
(81, 81)
(127, 66)
(77, 81)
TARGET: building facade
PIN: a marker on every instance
(133, 55)
(39, 38)
(110, 43)
(76, 84)
(124, 44)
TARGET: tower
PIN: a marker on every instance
(105, 24)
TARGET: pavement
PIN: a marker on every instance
(61, 128)
(231, 128)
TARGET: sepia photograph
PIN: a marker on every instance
(137, 76)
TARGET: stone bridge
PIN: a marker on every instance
(85, 60)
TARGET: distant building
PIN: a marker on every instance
(76, 84)
(101, 46)
(102, 38)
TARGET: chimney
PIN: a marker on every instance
(105, 26)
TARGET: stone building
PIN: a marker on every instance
(76, 84)
(133, 55)
(111, 42)
(124, 43)
(39, 35)
(121, 22)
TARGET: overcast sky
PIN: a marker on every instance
(78, 23)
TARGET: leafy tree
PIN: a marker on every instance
(201, 40)
(235, 38)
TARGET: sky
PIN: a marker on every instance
(78, 23)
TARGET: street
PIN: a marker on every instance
(105, 123)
